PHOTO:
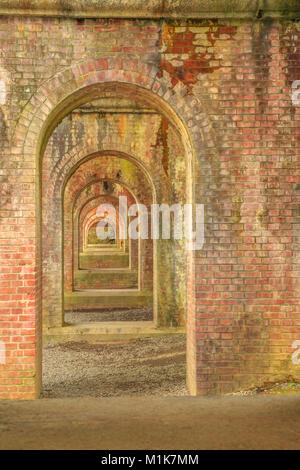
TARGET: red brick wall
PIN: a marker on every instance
(229, 84)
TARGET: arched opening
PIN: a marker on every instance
(156, 183)
(104, 276)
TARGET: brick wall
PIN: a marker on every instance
(224, 88)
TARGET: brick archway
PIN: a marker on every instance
(86, 169)
(84, 82)
(239, 159)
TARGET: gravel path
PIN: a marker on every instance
(124, 314)
(147, 366)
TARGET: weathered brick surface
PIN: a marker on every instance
(225, 86)
(142, 136)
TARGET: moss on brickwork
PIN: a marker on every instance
(178, 109)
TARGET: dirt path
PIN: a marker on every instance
(260, 422)
(148, 366)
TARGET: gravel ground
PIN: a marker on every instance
(124, 314)
(147, 366)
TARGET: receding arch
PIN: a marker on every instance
(120, 155)
(82, 202)
(143, 194)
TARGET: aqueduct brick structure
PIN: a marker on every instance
(164, 102)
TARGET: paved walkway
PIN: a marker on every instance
(237, 422)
